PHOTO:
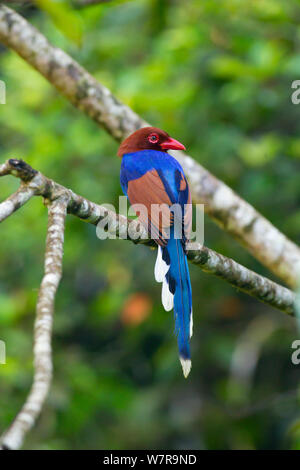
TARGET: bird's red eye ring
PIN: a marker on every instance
(153, 138)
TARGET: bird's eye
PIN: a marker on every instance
(153, 138)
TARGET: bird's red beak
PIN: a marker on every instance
(172, 144)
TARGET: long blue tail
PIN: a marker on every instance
(172, 269)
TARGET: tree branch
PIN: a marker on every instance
(208, 260)
(14, 436)
(233, 214)
(15, 201)
(243, 279)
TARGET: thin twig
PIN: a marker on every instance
(14, 436)
(15, 201)
(233, 214)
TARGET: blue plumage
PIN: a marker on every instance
(178, 279)
(148, 176)
(136, 164)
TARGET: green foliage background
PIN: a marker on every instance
(217, 76)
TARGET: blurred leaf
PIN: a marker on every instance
(260, 151)
(64, 17)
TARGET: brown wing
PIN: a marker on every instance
(149, 191)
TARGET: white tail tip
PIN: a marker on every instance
(191, 324)
(186, 366)
(167, 297)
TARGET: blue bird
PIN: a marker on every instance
(154, 179)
